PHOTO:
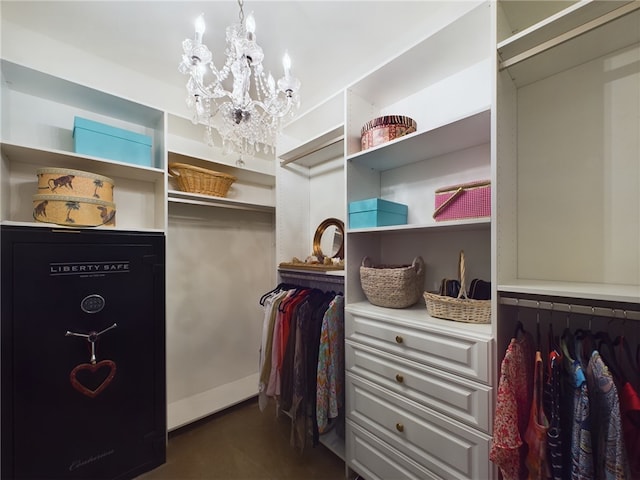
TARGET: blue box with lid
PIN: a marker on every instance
(104, 141)
(376, 212)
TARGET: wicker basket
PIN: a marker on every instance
(200, 180)
(460, 309)
(392, 286)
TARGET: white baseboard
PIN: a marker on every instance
(190, 409)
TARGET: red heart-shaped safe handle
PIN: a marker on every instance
(92, 368)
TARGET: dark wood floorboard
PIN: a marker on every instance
(242, 443)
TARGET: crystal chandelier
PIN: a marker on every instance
(247, 114)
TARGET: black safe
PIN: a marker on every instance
(83, 353)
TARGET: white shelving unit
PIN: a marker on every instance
(37, 116)
(397, 421)
(568, 168)
(568, 139)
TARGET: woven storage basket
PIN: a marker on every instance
(392, 286)
(460, 309)
(200, 180)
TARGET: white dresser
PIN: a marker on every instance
(418, 395)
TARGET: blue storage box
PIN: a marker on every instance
(375, 212)
(104, 141)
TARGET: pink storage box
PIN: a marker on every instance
(467, 200)
(384, 129)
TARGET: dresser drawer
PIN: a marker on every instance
(442, 446)
(375, 460)
(453, 350)
(456, 397)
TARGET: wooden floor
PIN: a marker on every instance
(243, 443)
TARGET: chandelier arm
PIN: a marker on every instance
(206, 91)
(277, 112)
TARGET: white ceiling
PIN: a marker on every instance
(331, 43)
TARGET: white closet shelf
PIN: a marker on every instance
(587, 30)
(417, 316)
(175, 196)
(483, 223)
(59, 158)
(460, 134)
(26, 80)
(590, 291)
(322, 148)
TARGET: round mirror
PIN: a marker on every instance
(328, 240)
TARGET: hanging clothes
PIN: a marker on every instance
(629, 403)
(298, 323)
(630, 413)
(271, 303)
(512, 410)
(285, 310)
(552, 393)
(536, 433)
(308, 322)
(330, 370)
(609, 451)
(592, 408)
(581, 441)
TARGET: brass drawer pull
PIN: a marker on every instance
(399, 339)
(400, 427)
(399, 378)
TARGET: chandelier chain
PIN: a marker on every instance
(241, 13)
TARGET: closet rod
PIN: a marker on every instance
(565, 37)
(311, 277)
(317, 149)
(617, 313)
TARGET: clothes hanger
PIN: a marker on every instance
(622, 353)
(538, 345)
(281, 286)
(297, 291)
(518, 330)
(264, 297)
(606, 350)
(567, 341)
(584, 345)
(567, 344)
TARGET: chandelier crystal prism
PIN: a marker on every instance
(242, 103)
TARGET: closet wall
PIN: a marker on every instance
(217, 261)
(220, 254)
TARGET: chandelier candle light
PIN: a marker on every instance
(246, 123)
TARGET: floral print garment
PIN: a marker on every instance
(330, 378)
(512, 410)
